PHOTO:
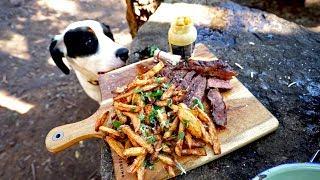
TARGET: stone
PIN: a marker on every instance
(279, 49)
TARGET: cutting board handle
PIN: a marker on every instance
(62, 137)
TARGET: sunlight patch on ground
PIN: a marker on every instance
(13, 103)
(63, 6)
(16, 46)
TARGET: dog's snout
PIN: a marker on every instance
(123, 54)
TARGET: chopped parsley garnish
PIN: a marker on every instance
(133, 109)
(151, 139)
(166, 86)
(116, 124)
(185, 122)
(141, 117)
(137, 91)
(181, 135)
(169, 102)
(148, 164)
(197, 102)
(158, 80)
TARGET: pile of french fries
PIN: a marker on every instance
(149, 123)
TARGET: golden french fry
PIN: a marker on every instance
(168, 93)
(140, 172)
(134, 151)
(197, 144)
(166, 159)
(126, 107)
(157, 148)
(122, 118)
(181, 135)
(174, 108)
(154, 70)
(134, 143)
(115, 145)
(172, 128)
(149, 87)
(137, 100)
(127, 144)
(134, 119)
(128, 99)
(195, 151)
(119, 90)
(142, 82)
(214, 137)
(170, 170)
(189, 139)
(124, 95)
(138, 162)
(205, 135)
(165, 148)
(101, 120)
(130, 133)
(202, 115)
(162, 103)
(192, 123)
(110, 131)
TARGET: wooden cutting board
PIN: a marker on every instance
(248, 120)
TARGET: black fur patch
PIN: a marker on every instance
(107, 31)
(80, 42)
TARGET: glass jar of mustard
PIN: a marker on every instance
(182, 36)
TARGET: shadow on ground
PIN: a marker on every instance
(26, 28)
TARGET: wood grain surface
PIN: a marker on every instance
(248, 120)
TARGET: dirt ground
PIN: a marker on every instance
(28, 76)
(35, 96)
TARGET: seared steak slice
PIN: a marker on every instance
(178, 75)
(196, 90)
(218, 107)
(217, 68)
(186, 81)
(218, 83)
(167, 71)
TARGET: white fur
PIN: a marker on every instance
(104, 60)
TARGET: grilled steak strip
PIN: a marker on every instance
(218, 83)
(186, 81)
(217, 68)
(218, 107)
(196, 90)
(178, 75)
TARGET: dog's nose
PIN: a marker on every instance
(123, 54)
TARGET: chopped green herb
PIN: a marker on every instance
(166, 86)
(169, 102)
(137, 91)
(116, 124)
(141, 117)
(158, 80)
(185, 122)
(152, 49)
(144, 130)
(156, 94)
(165, 124)
(197, 102)
(181, 135)
(133, 109)
(148, 164)
(151, 139)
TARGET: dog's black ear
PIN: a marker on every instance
(107, 31)
(57, 56)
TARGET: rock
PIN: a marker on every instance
(279, 49)
(16, 2)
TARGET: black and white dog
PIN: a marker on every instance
(89, 48)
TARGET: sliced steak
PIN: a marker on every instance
(218, 107)
(218, 83)
(217, 68)
(167, 72)
(186, 81)
(196, 90)
(178, 75)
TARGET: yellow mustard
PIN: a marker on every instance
(182, 36)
